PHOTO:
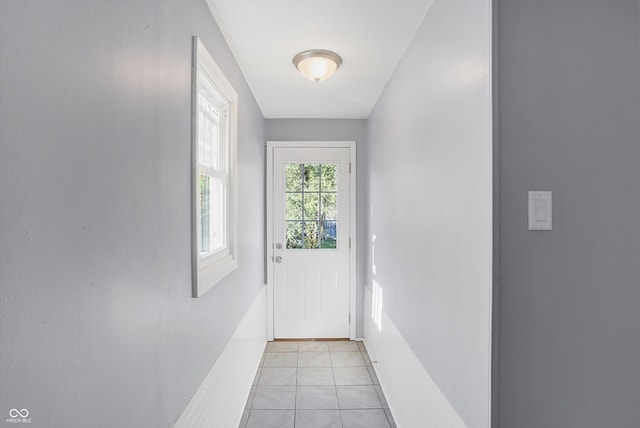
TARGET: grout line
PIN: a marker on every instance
(312, 340)
(377, 388)
(295, 393)
(389, 417)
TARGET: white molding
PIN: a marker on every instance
(353, 240)
(414, 398)
(351, 145)
(220, 400)
(269, 243)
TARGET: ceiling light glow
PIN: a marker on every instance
(317, 64)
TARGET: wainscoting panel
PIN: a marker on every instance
(414, 399)
(220, 400)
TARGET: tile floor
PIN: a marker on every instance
(316, 385)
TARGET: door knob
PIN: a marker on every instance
(279, 246)
(278, 259)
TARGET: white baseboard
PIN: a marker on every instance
(220, 400)
(414, 399)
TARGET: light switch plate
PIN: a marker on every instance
(539, 210)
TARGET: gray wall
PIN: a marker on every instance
(430, 167)
(570, 123)
(336, 130)
(97, 325)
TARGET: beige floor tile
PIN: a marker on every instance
(316, 384)
(343, 346)
(374, 418)
(271, 419)
(280, 359)
(352, 376)
(315, 376)
(346, 359)
(316, 397)
(282, 347)
(278, 376)
(314, 359)
(358, 397)
(313, 346)
(318, 419)
(274, 397)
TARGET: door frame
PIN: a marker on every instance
(351, 145)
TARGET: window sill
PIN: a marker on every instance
(212, 273)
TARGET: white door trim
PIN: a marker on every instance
(351, 145)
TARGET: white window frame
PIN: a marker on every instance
(210, 268)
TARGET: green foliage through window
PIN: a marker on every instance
(311, 206)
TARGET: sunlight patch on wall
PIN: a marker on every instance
(376, 305)
(373, 254)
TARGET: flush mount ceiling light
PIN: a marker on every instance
(317, 64)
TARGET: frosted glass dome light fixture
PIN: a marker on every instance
(317, 64)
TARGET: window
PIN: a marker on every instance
(311, 205)
(214, 141)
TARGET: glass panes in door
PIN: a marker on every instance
(311, 205)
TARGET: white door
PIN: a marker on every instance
(311, 242)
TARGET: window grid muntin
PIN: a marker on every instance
(213, 106)
(317, 225)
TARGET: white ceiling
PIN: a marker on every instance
(370, 35)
